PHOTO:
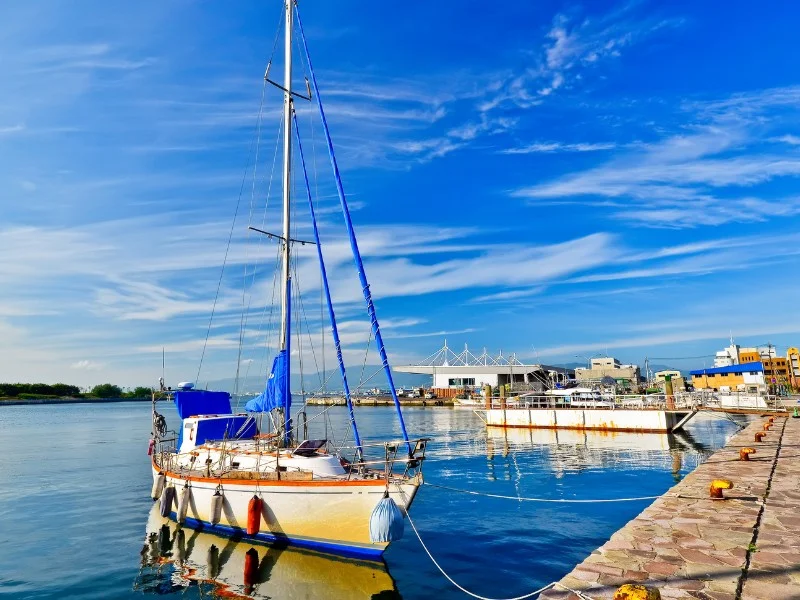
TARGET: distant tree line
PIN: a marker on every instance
(61, 390)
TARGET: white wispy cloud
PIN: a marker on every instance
(87, 365)
(571, 47)
(792, 140)
(511, 295)
(7, 129)
(654, 341)
(694, 177)
(548, 147)
(192, 345)
(699, 320)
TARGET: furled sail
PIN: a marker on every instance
(276, 394)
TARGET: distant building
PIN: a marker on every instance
(776, 369)
(728, 356)
(624, 375)
(678, 382)
(453, 373)
(748, 377)
(793, 367)
(756, 354)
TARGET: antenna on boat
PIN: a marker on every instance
(163, 369)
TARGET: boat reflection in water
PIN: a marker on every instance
(577, 450)
(179, 559)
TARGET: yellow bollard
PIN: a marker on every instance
(760, 436)
(715, 491)
(634, 591)
(767, 426)
(744, 453)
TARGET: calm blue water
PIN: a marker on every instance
(74, 509)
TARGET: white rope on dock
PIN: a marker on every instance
(523, 499)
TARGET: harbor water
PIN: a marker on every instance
(76, 519)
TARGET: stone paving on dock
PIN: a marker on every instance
(745, 547)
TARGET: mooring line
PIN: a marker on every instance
(479, 597)
(561, 500)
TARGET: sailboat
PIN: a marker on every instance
(255, 477)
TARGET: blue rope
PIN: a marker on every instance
(287, 421)
(334, 327)
(353, 243)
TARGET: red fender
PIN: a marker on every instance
(254, 515)
(250, 569)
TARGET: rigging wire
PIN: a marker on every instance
(298, 334)
(368, 379)
(310, 340)
(321, 286)
(253, 144)
(246, 309)
(228, 247)
(274, 283)
(274, 42)
(353, 243)
(364, 365)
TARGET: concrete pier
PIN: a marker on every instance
(745, 547)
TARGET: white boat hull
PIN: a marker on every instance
(327, 515)
(741, 401)
(641, 420)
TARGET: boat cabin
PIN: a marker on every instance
(199, 429)
(207, 416)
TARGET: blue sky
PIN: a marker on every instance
(551, 178)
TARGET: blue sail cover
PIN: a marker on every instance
(277, 393)
(202, 402)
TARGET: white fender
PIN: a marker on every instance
(158, 486)
(183, 503)
(216, 507)
(167, 498)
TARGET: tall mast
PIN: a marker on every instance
(287, 163)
